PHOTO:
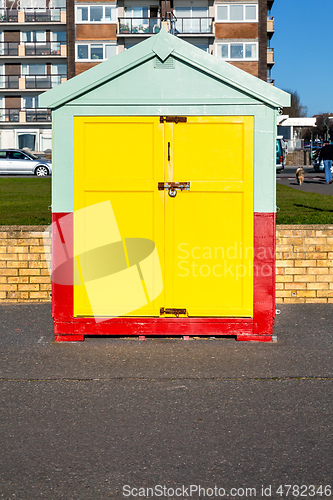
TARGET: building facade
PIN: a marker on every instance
(44, 42)
(33, 58)
(238, 31)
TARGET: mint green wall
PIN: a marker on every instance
(62, 160)
(264, 143)
(145, 84)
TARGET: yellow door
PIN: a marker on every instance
(118, 216)
(138, 249)
(209, 228)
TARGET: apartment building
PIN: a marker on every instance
(44, 42)
(33, 54)
(237, 31)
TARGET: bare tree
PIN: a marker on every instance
(324, 127)
(296, 109)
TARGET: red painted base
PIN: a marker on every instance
(241, 328)
(69, 338)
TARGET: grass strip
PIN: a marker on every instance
(25, 201)
(298, 207)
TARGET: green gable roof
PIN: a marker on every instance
(163, 46)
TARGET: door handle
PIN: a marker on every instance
(181, 186)
(168, 151)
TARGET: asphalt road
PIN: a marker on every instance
(314, 182)
(82, 420)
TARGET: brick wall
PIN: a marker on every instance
(96, 32)
(248, 66)
(236, 30)
(23, 267)
(304, 264)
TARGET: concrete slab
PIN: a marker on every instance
(83, 420)
(303, 349)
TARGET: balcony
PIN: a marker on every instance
(194, 25)
(182, 25)
(138, 26)
(31, 82)
(270, 56)
(55, 15)
(25, 115)
(270, 25)
(12, 49)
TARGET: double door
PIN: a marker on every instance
(163, 216)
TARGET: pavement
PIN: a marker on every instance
(314, 182)
(102, 418)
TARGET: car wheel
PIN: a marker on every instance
(41, 171)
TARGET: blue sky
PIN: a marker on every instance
(303, 45)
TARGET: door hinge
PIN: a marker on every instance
(176, 312)
(173, 119)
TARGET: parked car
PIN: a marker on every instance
(280, 154)
(318, 167)
(17, 161)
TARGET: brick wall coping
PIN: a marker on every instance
(23, 228)
(304, 226)
(278, 227)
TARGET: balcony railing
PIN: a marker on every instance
(149, 25)
(28, 82)
(9, 115)
(33, 49)
(9, 15)
(42, 81)
(197, 25)
(146, 25)
(270, 55)
(37, 115)
(9, 82)
(55, 15)
(9, 49)
(270, 24)
(25, 115)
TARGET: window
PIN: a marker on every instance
(96, 14)
(27, 141)
(137, 12)
(58, 36)
(30, 102)
(59, 69)
(16, 155)
(33, 69)
(237, 13)
(32, 4)
(57, 4)
(200, 43)
(95, 51)
(46, 142)
(235, 51)
(33, 36)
